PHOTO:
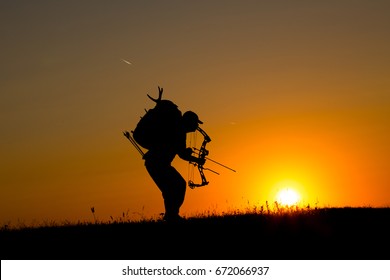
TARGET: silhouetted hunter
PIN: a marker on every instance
(163, 132)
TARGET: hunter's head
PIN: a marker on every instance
(191, 121)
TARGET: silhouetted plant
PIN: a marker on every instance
(93, 213)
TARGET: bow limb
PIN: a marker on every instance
(204, 182)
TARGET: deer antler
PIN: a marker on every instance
(160, 92)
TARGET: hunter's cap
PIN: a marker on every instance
(192, 116)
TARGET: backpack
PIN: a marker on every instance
(158, 123)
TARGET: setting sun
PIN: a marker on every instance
(287, 197)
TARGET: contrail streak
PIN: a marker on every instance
(127, 62)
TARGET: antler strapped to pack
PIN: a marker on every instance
(160, 92)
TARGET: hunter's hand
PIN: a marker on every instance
(188, 152)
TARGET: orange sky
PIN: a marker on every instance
(293, 94)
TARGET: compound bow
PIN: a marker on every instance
(202, 153)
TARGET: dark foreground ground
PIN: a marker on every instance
(332, 233)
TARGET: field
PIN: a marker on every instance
(324, 233)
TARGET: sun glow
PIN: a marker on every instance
(287, 197)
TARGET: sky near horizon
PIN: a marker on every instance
(294, 94)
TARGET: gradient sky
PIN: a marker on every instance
(293, 94)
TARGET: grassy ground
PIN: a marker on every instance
(325, 233)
